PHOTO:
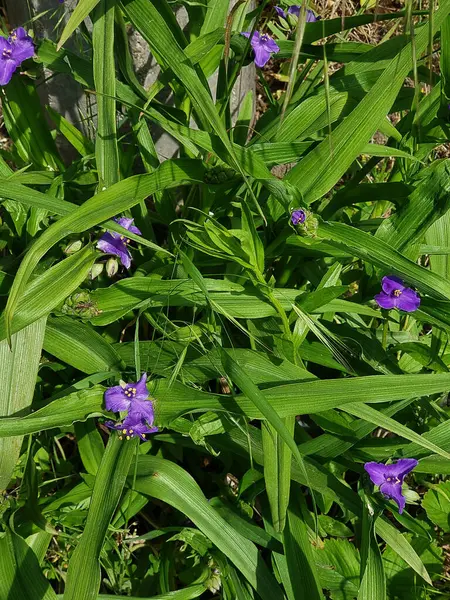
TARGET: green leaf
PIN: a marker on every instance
(436, 502)
(82, 10)
(368, 413)
(48, 290)
(18, 372)
(79, 345)
(106, 148)
(428, 202)
(83, 575)
(27, 127)
(82, 145)
(298, 550)
(188, 593)
(373, 582)
(99, 208)
(168, 482)
(90, 445)
(277, 471)
(338, 567)
(380, 254)
(401, 580)
(324, 166)
(151, 18)
(21, 577)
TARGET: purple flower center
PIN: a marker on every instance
(130, 433)
(130, 392)
(397, 293)
(392, 478)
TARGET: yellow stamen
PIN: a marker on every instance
(124, 431)
(120, 437)
(397, 293)
(128, 437)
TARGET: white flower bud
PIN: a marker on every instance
(96, 270)
(73, 247)
(112, 266)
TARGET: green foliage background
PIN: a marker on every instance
(274, 374)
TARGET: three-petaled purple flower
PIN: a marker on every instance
(389, 478)
(395, 294)
(117, 244)
(295, 10)
(13, 51)
(298, 216)
(133, 398)
(263, 47)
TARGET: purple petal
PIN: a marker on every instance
(141, 388)
(271, 45)
(294, 10)
(386, 301)
(298, 216)
(377, 472)
(22, 43)
(261, 56)
(5, 45)
(114, 245)
(112, 425)
(246, 34)
(402, 467)
(18, 34)
(394, 491)
(280, 12)
(310, 16)
(7, 68)
(134, 230)
(409, 300)
(115, 399)
(142, 410)
(128, 224)
(390, 283)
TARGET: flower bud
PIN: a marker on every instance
(96, 270)
(73, 247)
(112, 266)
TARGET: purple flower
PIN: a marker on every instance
(389, 478)
(133, 398)
(132, 427)
(13, 51)
(263, 47)
(395, 294)
(298, 216)
(117, 244)
(295, 10)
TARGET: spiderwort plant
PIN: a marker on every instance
(395, 294)
(132, 398)
(13, 51)
(263, 46)
(116, 243)
(389, 478)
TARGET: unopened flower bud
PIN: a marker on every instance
(112, 266)
(73, 247)
(96, 270)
